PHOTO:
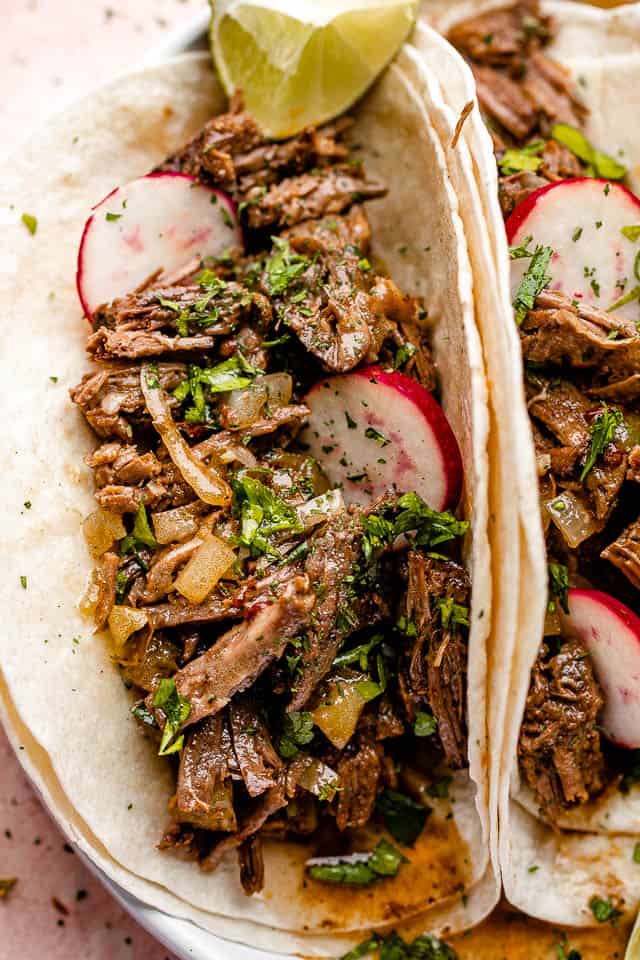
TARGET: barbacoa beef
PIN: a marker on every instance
(559, 746)
(435, 671)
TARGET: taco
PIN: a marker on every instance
(283, 410)
(564, 151)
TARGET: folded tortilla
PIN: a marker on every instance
(61, 698)
(593, 852)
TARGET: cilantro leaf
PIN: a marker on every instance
(404, 354)
(522, 251)
(403, 817)
(233, 374)
(30, 222)
(604, 910)
(631, 232)
(425, 724)
(452, 614)
(176, 709)
(283, 267)
(262, 513)
(533, 282)
(601, 163)
(602, 433)
(558, 586)
(141, 535)
(410, 515)
(297, 731)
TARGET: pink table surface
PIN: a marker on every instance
(52, 52)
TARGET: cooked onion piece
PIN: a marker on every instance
(123, 621)
(204, 480)
(101, 529)
(572, 517)
(340, 706)
(202, 571)
(244, 407)
(320, 508)
(177, 524)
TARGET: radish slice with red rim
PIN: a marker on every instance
(158, 222)
(375, 430)
(589, 226)
(610, 631)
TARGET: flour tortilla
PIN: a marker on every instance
(63, 700)
(594, 855)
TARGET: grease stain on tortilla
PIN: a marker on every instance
(439, 868)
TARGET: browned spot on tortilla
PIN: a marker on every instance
(464, 113)
(438, 869)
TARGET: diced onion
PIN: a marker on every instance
(101, 528)
(244, 407)
(572, 517)
(177, 524)
(340, 706)
(204, 480)
(320, 508)
(89, 601)
(202, 571)
(314, 775)
(123, 621)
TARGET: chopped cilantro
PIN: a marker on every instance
(23, 582)
(6, 886)
(30, 222)
(425, 724)
(600, 163)
(604, 910)
(403, 817)
(372, 434)
(528, 158)
(360, 870)
(631, 232)
(233, 374)
(430, 527)
(522, 251)
(54, 379)
(577, 233)
(533, 282)
(452, 614)
(404, 353)
(262, 513)
(176, 709)
(602, 433)
(359, 654)
(283, 267)
(558, 586)
(141, 535)
(533, 869)
(297, 731)
(226, 217)
(363, 949)
(351, 423)
(112, 217)
(636, 853)
(629, 297)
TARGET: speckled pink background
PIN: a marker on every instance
(52, 52)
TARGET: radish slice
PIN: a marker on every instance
(375, 430)
(611, 633)
(158, 222)
(582, 221)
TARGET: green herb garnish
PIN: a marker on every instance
(604, 910)
(297, 731)
(176, 709)
(112, 217)
(403, 817)
(558, 575)
(30, 222)
(141, 535)
(631, 232)
(533, 282)
(372, 434)
(602, 433)
(262, 513)
(283, 267)
(425, 724)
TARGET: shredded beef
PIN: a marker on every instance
(243, 653)
(251, 865)
(204, 796)
(263, 808)
(435, 675)
(358, 773)
(559, 746)
(259, 763)
(624, 552)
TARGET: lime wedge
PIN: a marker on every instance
(302, 62)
